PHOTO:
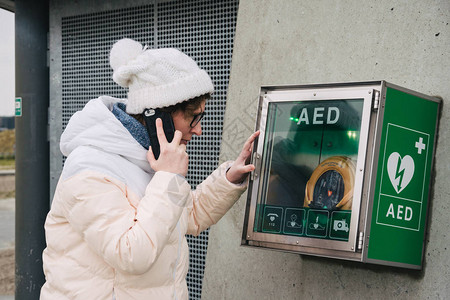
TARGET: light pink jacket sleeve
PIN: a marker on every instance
(128, 238)
(212, 199)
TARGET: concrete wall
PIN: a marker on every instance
(317, 41)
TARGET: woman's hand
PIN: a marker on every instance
(240, 168)
(173, 157)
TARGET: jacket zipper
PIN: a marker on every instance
(177, 261)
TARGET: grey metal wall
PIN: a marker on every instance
(81, 37)
(300, 42)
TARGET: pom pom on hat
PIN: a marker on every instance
(156, 77)
(123, 51)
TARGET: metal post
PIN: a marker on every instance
(32, 147)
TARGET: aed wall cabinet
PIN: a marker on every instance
(343, 171)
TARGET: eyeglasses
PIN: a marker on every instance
(196, 119)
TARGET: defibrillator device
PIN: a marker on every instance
(331, 185)
(342, 170)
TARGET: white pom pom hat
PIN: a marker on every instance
(156, 77)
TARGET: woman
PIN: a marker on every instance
(117, 225)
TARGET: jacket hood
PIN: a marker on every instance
(96, 126)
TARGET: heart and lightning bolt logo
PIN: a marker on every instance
(400, 170)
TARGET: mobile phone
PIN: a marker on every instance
(150, 116)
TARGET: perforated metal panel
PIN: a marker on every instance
(203, 30)
(86, 42)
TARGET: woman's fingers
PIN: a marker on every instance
(241, 167)
(177, 137)
(248, 146)
(150, 156)
(162, 136)
(249, 143)
(160, 132)
(173, 157)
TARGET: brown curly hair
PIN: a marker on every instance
(188, 106)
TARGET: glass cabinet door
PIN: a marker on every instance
(310, 149)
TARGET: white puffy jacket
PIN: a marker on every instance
(116, 228)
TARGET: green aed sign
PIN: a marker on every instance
(401, 194)
(403, 179)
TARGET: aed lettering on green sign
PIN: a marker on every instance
(398, 213)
